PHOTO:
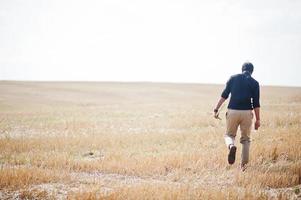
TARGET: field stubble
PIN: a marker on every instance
(141, 141)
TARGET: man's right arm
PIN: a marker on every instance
(257, 116)
(256, 106)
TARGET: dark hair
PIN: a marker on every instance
(247, 66)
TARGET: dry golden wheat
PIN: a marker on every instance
(141, 141)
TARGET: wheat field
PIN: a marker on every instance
(92, 140)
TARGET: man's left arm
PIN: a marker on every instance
(224, 96)
(219, 104)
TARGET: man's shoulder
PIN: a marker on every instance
(255, 81)
(235, 76)
(240, 76)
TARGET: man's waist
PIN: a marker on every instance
(248, 110)
(234, 106)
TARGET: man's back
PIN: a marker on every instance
(244, 92)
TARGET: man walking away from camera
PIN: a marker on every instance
(244, 98)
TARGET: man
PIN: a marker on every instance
(244, 92)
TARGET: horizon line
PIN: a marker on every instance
(140, 81)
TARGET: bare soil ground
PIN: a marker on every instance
(80, 140)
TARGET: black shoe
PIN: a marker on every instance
(231, 155)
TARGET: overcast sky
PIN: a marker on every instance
(203, 41)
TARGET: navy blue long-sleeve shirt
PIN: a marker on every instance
(244, 92)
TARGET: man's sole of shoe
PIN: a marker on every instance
(231, 155)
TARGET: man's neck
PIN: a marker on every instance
(247, 73)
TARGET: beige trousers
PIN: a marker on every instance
(242, 119)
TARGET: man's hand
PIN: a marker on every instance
(220, 102)
(257, 117)
(216, 114)
(257, 124)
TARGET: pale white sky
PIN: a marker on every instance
(202, 41)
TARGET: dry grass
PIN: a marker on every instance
(19, 177)
(140, 141)
(165, 191)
